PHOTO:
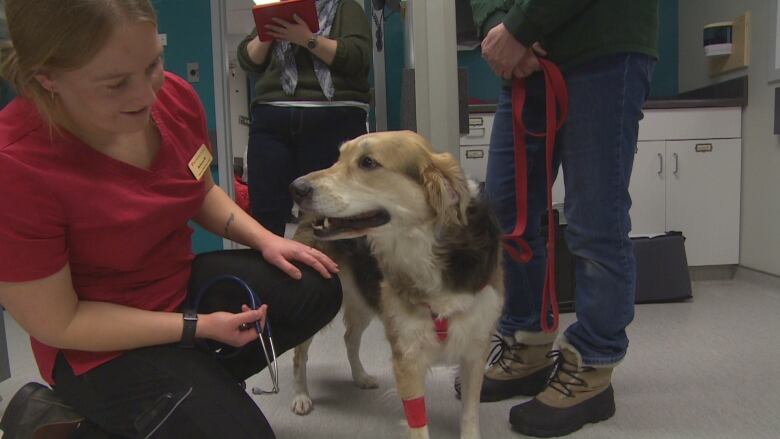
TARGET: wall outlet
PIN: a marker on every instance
(193, 72)
(163, 39)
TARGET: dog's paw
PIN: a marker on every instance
(301, 405)
(366, 381)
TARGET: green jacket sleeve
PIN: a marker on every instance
(530, 20)
(483, 10)
(353, 52)
(245, 61)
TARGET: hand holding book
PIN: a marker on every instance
(297, 32)
(276, 19)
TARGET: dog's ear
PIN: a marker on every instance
(446, 188)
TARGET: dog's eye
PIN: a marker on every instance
(368, 163)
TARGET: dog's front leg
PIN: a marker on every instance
(301, 403)
(472, 370)
(409, 374)
(357, 317)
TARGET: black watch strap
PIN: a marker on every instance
(188, 331)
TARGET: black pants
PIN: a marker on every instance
(288, 142)
(171, 392)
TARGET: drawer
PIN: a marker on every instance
(691, 123)
(480, 127)
(473, 160)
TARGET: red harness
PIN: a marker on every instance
(557, 107)
(440, 324)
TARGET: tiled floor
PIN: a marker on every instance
(701, 369)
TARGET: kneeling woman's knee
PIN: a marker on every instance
(325, 294)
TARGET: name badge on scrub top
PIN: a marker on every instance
(200, 162)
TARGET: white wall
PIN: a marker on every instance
(760, 212)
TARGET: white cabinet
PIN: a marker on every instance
(698, 186)
(703, 198)
(686, 177)
(691, 186)
(474, 145)
(648, 188)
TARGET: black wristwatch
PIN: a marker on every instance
(188, 331)
(311, 43)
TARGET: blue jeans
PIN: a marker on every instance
(287, 142)
(596, 149)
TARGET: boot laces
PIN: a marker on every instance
(502, 353)
(561, 370)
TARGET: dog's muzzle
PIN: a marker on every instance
(301, 190)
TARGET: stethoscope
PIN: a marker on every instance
(262, 333)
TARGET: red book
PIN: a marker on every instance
(284, 9)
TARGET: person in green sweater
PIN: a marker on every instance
(607, 50)
(311, 95)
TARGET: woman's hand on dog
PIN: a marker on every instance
(280, 252)
(231, 329)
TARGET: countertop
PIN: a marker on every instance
(731, 93)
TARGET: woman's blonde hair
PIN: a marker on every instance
(60, 35)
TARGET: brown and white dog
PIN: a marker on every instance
(438, 251)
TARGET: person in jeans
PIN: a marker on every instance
(104, 159)
(607, 51)
(311, 95)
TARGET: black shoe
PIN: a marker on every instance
(537, 419)
(34, 408)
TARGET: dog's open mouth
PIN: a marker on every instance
(329, 227)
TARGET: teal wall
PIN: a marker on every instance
(394, 66)
(484, 86)
(665, 80)
(187, 23)
(188, 26)
(202, 240)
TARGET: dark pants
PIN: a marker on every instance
(596, 148)
(171, 392)
(288, 142)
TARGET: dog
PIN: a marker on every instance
(435, 280)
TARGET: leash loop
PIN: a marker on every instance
(556, 111)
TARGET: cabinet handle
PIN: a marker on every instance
(660, 164)
(676, 163)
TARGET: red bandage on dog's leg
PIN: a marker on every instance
(414, 409)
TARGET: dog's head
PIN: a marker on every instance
(381, 181)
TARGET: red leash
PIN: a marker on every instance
(557, 107)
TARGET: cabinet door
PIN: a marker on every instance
(702, 195)
(473, 160)
(647, 189)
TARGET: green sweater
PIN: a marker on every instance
(350, 68)
(575, 31)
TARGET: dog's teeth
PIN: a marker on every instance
(326, 223)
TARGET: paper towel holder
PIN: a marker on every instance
(718, 38)
(739, 55)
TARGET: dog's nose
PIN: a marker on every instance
(300, 189)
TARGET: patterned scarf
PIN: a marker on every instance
(284, 51)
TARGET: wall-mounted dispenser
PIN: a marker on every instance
(727, 45)
(718, 38)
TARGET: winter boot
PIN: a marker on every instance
(518, 366)
(574, 396)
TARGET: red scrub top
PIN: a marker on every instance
(122, 229)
